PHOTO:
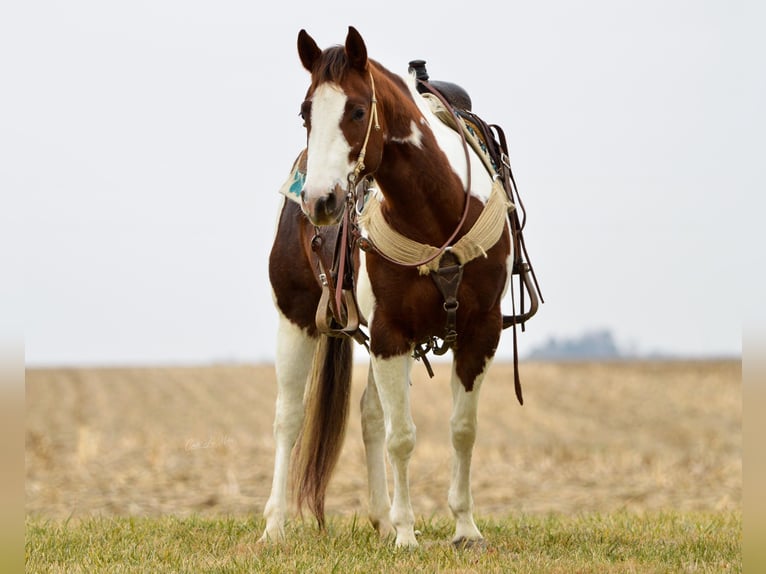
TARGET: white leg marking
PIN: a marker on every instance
(374, 435)
(463, 431)
(364, 295)
(295, 352)
(392, 380)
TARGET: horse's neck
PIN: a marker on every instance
(422, 198)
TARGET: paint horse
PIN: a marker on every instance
(375, 146)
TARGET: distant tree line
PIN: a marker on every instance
(599, 344)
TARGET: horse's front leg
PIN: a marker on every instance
(374, 435)
(392, 380)
(463, 423)
(295, 352)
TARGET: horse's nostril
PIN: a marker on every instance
(303, 195)
(326, 205)
(329, 204)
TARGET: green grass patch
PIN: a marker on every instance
(622, 542)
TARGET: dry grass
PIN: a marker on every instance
(595, 437)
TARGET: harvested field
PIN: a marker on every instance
(591, 437)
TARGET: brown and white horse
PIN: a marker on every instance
(366, 122)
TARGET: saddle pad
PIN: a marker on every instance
(292, 187)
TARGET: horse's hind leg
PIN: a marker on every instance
(463, 433)
(295, 352)
(374, 435)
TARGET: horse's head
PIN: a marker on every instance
(340, 115)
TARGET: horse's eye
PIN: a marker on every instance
(358, 114)
(305, 112)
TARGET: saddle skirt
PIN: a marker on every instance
(293, 185)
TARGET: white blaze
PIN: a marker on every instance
(328, 151)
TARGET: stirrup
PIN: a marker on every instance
(341, 321)
(534, 302)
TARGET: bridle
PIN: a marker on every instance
(338, 296)
(353, 177)
(348, 232)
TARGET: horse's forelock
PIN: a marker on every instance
(332, 65)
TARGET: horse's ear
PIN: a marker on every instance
(308, 50)
(356, 51)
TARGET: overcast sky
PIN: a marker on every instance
(146, 142)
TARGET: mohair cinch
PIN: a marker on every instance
(484, 233)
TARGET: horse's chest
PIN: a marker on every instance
(404, 300)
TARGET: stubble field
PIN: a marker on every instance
(591, 438)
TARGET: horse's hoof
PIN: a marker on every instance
(406, 542)
(463, 543)
(385, 529)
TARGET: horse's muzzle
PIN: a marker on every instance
(323, 209)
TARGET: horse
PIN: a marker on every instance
(374, 143)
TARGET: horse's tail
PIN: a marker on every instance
(324, 427)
